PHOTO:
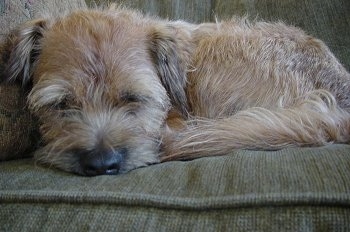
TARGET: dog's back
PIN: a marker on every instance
(261, 86)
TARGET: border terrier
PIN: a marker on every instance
(115, 90)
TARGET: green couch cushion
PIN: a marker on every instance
(289, 189)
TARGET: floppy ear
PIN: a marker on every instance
(23, 49)
(171, 68)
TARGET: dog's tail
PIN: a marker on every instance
(317, 120)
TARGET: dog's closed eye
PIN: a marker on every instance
(132, 103)
(62, 104)
(130, 98)
(133, 98)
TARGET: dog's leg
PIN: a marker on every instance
(315, 121)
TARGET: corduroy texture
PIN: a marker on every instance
(300, 189)
(289, 190)
(18, 129)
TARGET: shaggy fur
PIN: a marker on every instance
(115, 90)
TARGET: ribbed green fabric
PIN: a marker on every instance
(252, 188)
(67, 217)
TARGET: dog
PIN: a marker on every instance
(116, 90)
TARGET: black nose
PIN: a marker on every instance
(101, 162)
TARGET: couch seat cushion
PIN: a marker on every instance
(294, 189)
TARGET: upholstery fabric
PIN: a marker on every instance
(295, 189)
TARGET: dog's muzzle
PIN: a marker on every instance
(101, 162)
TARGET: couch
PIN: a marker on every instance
(294, 189)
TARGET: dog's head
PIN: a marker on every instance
(101, 84)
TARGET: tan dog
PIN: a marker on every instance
(115, 90)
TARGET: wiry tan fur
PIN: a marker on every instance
(148, 90)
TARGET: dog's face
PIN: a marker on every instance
(102, 85)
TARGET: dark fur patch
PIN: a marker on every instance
(164, 51)
(25, 43)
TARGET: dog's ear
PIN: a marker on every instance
(23, 47)
(166, 55)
